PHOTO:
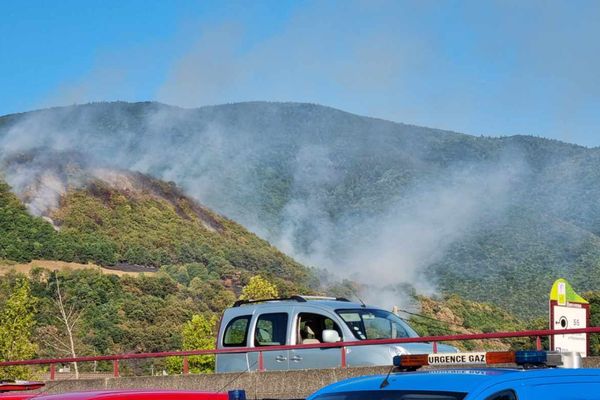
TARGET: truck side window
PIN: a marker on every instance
(504, 395)
(236, 332)
(311, 327)
(271, 329)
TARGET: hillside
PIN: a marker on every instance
(489, 218)
(509, 258)
(121, 219)
(188, 261)
(454, 315)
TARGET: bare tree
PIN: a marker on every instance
(64, 342)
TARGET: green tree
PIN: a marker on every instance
(198, 334)
(16, 328)
(259, 288)
(594, 299)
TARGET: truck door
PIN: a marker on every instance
(271, 330)
(235, 335)
(309, 329)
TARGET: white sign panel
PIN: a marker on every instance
(456, 358)
(570, 318)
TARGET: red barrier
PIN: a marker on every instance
(342, 345)
(186, 365)
(261, 362)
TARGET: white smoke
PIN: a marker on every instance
(418, 231)
(218, 165)
(313, 172)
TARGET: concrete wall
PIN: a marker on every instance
(258, 385)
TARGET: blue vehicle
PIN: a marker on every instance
(536, 379)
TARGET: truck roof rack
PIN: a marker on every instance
(293, 298)
(325, 298)
(299, 299)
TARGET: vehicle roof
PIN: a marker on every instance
(285, 304)
(452, 380)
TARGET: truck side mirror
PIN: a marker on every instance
(331, 336)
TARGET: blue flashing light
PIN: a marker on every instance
(237, 395)
(530, 357)
(397, 361)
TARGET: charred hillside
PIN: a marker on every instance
(118, 218)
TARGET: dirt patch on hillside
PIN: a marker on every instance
(6, 266)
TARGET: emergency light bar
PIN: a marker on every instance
(236, 395)
(522, 358)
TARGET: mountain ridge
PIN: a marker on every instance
(518, 136)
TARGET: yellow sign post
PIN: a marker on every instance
(568, 310)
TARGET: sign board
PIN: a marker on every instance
(456, 358)
(568, 310)
(570, 318)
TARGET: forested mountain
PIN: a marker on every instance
(494, 218)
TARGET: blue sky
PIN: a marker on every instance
(479, 67)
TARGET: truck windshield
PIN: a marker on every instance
(392, 395)
(375, 324)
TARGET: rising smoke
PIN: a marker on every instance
(278, 168)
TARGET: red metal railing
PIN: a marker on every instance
(537, 334)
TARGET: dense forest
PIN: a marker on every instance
(109, 314)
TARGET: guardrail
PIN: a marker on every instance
(537, 334)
